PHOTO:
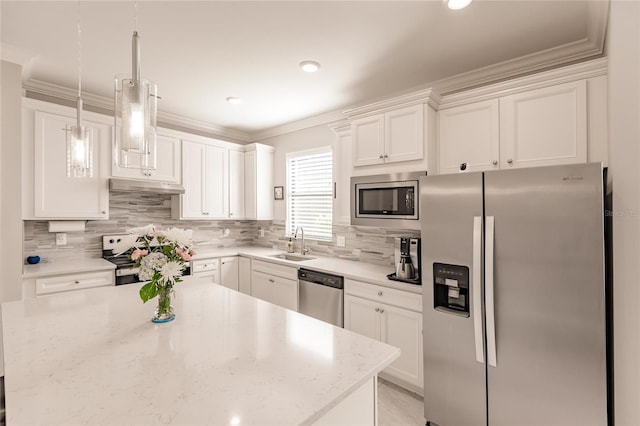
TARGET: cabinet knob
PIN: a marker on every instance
(509, 160)
(271, 281)
(77, 282)
(381, 156)
(377, 309)
(381, 311)
(495, 162)
(379, 293)
(103, 212)
(386, 156)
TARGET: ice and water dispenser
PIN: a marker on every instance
(451, 289)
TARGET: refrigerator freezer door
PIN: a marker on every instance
(549, 297)
(454, 382)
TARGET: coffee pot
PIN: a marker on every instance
(405, 268)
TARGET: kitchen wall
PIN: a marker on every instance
(126, 210)
(363, 243)
(623, 47)
(10, 185)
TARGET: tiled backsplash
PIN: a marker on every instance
(127, 210)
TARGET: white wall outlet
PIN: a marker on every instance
(262, 232)
(61, 239)
(226, 232)
(341, 241)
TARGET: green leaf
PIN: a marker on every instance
(148, 291)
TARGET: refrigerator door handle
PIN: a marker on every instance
(489, 302)
(477, 286)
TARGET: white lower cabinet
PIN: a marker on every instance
(229, 272)
(390, 316)
(206, 270)
(244, 275)
(275, 283)
(69, 282)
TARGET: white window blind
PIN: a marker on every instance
(310, 193)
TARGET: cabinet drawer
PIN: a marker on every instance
(62, 283)
(391, 296)
(274, 269)
(205, 265)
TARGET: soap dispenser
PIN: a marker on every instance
(290, 245)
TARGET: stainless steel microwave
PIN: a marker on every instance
(390, 201)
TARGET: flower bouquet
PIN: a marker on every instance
(161, 256)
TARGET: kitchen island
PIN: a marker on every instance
(94, 357)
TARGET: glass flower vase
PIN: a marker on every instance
(164, 310)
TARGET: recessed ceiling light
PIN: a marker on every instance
(234, 100)
(309, 66)
(457, 4)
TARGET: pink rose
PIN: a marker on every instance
(184, 255)
(192, 252)
(138, 253)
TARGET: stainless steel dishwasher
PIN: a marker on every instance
(321, 296)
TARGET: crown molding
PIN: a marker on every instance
(590, 47)
(580, 71)
(305, 123)
(425, 96)
(102, 102)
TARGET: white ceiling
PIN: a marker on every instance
(200, 52)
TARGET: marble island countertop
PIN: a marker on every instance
(94, 357)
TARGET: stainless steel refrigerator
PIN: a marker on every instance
(515, 318)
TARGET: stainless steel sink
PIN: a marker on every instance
(292, 257)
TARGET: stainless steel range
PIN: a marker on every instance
(126, 271)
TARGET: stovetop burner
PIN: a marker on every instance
(108, 243)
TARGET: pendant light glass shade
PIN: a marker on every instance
(136, 111)
(136, 108)
(79, 138)
(79, 149)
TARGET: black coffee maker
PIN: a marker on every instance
(407, 257)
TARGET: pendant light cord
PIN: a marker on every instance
(135, 16)
(79, 54)
(79, 103)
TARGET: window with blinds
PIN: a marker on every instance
(310, 193)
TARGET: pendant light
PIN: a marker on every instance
(135, 114)
(79, 138)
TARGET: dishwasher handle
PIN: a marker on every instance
(321, 278)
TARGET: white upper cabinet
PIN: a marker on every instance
(342, 175)
(544, 119)
(544, 127)
(368, 140)
(204, 176)
(469, 137)
(236, 184)
(404, 134)
(48, 193)
(258, 182)
(393, 136)
(225, 181)
(168, 162)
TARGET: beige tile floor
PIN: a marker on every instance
(398, 407)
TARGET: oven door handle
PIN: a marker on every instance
(126, 271)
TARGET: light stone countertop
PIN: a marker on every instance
(72, 266)
(361, 271)
(94, 357)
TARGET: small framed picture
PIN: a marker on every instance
(278, 193)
